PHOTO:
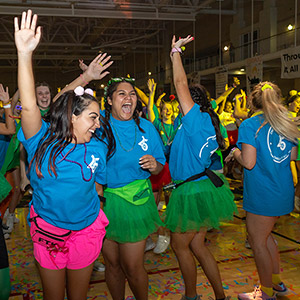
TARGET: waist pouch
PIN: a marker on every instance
(136, 192)
(48, 235)
(214, 178)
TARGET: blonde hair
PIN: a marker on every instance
(266, 96)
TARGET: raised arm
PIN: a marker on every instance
(142, 95)
(159, 99)
(9, 126)
(152, 87)
(223, 97)
(27, 37)
(95, 71)
(239, 112)
(179, 76)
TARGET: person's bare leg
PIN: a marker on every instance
(78, 283)
(53, 282)
(15, 199)
(180, 244)
(132, 261)
(259, 230)
(208, 263)
(114, 275)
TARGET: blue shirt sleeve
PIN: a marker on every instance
(32, 143)
(247, 134)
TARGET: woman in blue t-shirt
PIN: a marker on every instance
(198, 204)
(130, 206)
(266, 145)
(66, 160)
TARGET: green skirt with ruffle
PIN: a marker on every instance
(199, 204)
(130, 223)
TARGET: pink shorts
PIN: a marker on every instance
(82, 248)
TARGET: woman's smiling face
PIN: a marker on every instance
(123, 102)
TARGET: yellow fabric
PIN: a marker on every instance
(268, 291)
(276, 278)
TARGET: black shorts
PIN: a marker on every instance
(3, 250)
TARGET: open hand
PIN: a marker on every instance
(96, 69)
(151, 86)
(181, 42)
(27, 36)
(4, 95)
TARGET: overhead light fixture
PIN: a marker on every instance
(149, 73)
(242, 69)
(226, 48)
(102, 86)
(290, 27)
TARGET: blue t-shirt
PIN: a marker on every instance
(268, 187)
(193, 145)
(67, 201)
(131, 144)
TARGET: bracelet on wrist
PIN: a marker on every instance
(7, 105)
(177, 49)
(81, 75)
(233, 150)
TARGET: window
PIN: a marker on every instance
(246, 44)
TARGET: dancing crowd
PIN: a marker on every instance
(97, 173)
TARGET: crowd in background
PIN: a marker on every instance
(145, 147)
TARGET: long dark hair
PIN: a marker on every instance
(201, 97)
(60, 132)
(111, 88)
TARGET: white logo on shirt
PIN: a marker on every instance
(213, 138)
(277, 157)
(143, 144)
(94, 164)
(281, 143)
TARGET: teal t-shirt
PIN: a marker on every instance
(131, 144)
(193, 145)
(70, 200)
(268, 187)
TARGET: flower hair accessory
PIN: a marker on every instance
(172, 97)
(79, 91)
(115, 80)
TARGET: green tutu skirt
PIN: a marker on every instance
(5, 187)
(199, 204)
(130, 223)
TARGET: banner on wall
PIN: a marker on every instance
(290, 63)
(221, 80)
(254, 72)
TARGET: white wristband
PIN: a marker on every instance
(7, 105)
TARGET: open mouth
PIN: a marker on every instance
(126, 108)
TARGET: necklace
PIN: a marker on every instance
(135, 134)
(79, 164)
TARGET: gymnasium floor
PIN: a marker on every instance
(235, 262)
